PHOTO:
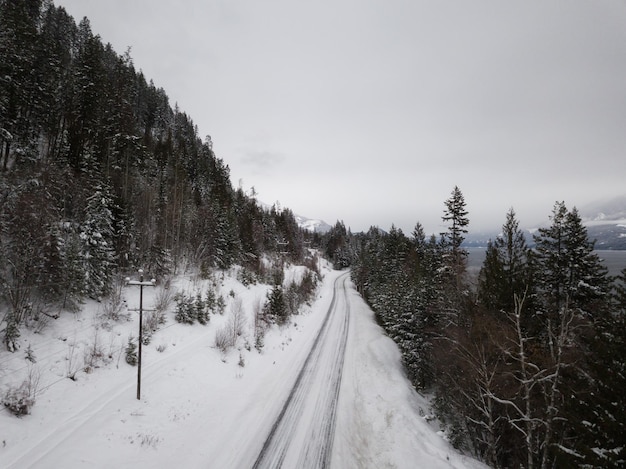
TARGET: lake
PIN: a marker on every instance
(615, 261)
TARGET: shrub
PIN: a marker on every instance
(164, 297)
(18, 400)
(223, 339)
(189, 309)
(184, 310)
(131, 352)
(202, 312)
(237, 319)
(114, 303)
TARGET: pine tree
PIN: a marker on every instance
(276, 306)
(599, 412)
(505, 271)
(572, 292)
(97, 243)
(456, 257)
(570, 273)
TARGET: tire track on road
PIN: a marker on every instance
(293, 436)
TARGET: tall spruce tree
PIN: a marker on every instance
(97, 243)
(505, 271)
(570, 272)
(454, 256)
(572, 290)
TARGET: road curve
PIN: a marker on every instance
(303, 433)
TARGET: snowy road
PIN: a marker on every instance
(303, 433)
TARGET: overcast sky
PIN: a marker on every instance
(371, 111)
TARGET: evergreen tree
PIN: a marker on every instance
(337, 246)
(573, 290)
(505, 271)
(276, 306)
(571, 274)
(455, 214)
(97, 243)
(599, 412)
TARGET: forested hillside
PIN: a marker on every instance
(526, 363)
(99, 174)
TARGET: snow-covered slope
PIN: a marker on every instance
(606, 222)
(605, 211)
(201, 407)
(313, 225)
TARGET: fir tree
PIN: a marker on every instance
(455, 214)
(97, 243)
(506, 270)
(570, 273)
(276, 306)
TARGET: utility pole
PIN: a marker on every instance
(141, 284)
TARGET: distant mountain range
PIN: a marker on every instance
(310, 224)
(605, 222)
(313, 225)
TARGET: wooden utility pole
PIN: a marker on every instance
(141, 284)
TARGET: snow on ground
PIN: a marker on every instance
(201, 407)
(381, 421)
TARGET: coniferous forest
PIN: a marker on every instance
(526, 363)
(100, 175)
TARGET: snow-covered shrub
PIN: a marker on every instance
(114, 303)
(237, 319)
(164, 297)
(246, 277)
(220, 306)
(223, 339)
(30, 355)
(259, 324)
(190, 309)
(131, 352)
(73, 363)
(18, 400)
(185, 310)
(94, 354)
(202, 312)
(11, 335)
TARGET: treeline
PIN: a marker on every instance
(99, 174)
(526, 363)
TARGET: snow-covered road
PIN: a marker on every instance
(326, 391)
(302, 435)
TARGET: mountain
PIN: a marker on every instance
(313, 225)
(609, 211)
(606, 222)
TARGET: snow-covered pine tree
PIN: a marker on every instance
(569, 272)
(97, 236)
(276, 307)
